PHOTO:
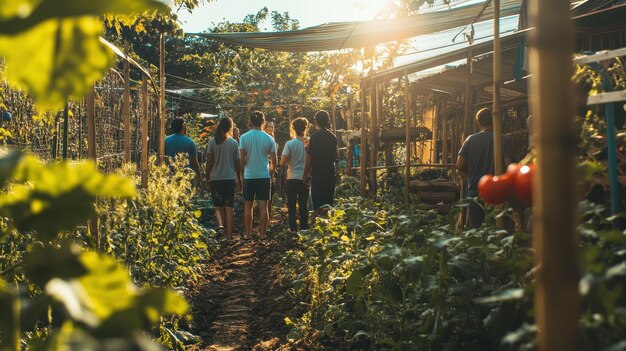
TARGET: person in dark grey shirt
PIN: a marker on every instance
(475, 159)
(320, 164)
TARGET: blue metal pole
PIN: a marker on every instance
(609, 115)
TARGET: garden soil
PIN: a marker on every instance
(239, 301)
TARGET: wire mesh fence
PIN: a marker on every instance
(63, 134)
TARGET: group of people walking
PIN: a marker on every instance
(248, 165)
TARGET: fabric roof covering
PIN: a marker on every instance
(482, 48)
(453, 81)
(343, 35)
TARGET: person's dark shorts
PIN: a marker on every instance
(322, 190)
(223, 193)
(256, 189)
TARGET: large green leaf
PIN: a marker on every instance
(52, 47)
(58, 197)
(105, 299)
(21, 15)
(56, 59)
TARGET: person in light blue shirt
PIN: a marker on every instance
(257, 149)
(180, 143)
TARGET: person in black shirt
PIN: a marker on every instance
(320, 164)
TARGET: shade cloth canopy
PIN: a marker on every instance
(343, 35)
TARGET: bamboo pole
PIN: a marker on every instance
(497, 114)
(290, 120)
(332, 111)
(374, 137)
(161, 107)
(91, 154)
(407, 159)
(55, 137)
(349, 157)
(350, 112)
(435, 129)
(126, 107)
(467, 117)
(66, 129)
(415, 165)
(80, 132)
(444, 131)
(554, 191)
(350, 146)
(144, 132)
(363, 147)
(91, 125)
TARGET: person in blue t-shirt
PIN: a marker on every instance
(180, 143)
(258, 157)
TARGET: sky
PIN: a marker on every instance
(308, 12)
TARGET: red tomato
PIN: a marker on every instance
(495, 190)
(513, 168)
(523, 184)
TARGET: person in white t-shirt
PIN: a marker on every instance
(294, 156)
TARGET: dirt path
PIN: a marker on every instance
(238, 303)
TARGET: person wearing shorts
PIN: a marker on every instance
(320, 165)
(294, 155)
(258, 157)
(223, 174)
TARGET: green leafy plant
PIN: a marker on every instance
(64, 294)
(388, 277)
(157, 234)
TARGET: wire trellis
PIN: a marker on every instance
(46, 135)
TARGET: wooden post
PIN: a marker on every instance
(349, 157)
(554, 191)
(91, 125)
(290, 120)
(162, 107)
(332, 112)
(363, 147)
(374, 137)
(444, 131)
(145, 99)
(126, 107)
(55, 137)
(350, 114)
(80, 132)
(497, 113)
(91, 154)
(407, 159)
(467, 116)
(66, 128)
(435, 154)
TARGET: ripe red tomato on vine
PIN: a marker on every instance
(517, 182)
(523, 188)
(495, 190)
